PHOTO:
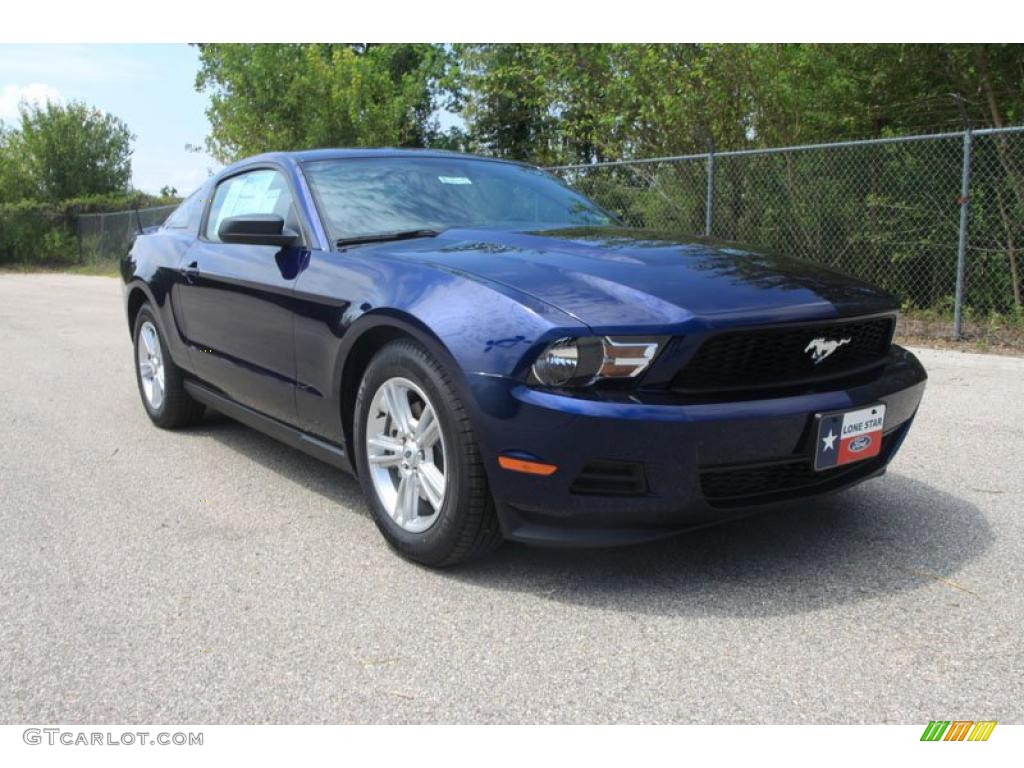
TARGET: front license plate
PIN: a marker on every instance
(848, 436)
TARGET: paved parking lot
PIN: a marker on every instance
(216, 576)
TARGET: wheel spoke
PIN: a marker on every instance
(407, 503)
(146, 369)
(385, 451)
(397, 403)
(158, 390)
(385, 444)
(149, 339)
(427, 428)
(390, 408)
(404, 409)
(432, 482)
(403, 488)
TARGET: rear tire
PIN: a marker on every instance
(425, 483)
(161, 382)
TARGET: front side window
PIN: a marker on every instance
(376, 195)
(256, 192)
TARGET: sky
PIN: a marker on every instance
(150, 87)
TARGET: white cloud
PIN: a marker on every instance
(11, 96)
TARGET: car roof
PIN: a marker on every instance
(340, 153)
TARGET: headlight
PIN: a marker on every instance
(566, 361)
(578, 362)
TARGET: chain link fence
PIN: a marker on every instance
(938, 220)
(108, 236)
(886, 210)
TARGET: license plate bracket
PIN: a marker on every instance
(848, 436)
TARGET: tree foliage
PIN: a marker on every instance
(59, 152)
(281, 97)
(887, 213)
(574, 102)
(580, 103)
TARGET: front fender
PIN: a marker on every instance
(470, 325)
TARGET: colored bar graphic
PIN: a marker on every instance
(958, 730)
(934, 730)
(982, 730)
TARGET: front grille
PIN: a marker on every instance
(763, 483)
(610, 478)
(779, 356)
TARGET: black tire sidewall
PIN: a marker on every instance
(407, 361)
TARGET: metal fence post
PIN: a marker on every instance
(961, 251)
(78, 237)
(709, 203)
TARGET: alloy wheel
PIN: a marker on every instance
(406, 454)
(151, 365)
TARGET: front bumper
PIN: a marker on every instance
(677, 446)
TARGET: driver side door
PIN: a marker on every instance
(237, 299)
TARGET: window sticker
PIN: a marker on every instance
(253, 193)
(454, 180)
(256, 195)
(228, 206)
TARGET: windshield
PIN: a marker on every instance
(374, 195)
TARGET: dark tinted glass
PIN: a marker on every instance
(362, 196)
(187, 215)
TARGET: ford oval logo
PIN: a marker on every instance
(858, 444)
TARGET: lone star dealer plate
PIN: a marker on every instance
(848, 436)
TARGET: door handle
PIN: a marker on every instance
(191, 271)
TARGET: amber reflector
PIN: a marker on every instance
(529, 467)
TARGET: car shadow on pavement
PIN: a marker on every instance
(885, 536)
(312, 474)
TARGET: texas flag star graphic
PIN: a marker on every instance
(844, 438)
(829, 440)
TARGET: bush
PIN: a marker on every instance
(36, 234)
(114, 202)
(42, 234)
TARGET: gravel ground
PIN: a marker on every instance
(215, 576)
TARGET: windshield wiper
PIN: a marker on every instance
(384, 237)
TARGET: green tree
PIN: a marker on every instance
(66, 151)
(14, 181)
(283, 97)
(505, 100)
(581, 103)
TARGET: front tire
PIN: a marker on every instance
(161, 382)
(418, 461)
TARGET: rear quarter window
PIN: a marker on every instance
(186, 216)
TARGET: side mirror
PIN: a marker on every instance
(257, 229)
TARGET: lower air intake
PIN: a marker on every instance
(610, 478)
(764, 483)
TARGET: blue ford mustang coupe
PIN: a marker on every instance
(495, 356)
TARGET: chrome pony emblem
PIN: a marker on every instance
(820, 348)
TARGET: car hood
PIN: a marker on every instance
(627, 277)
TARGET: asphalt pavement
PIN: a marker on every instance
(216, 576)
